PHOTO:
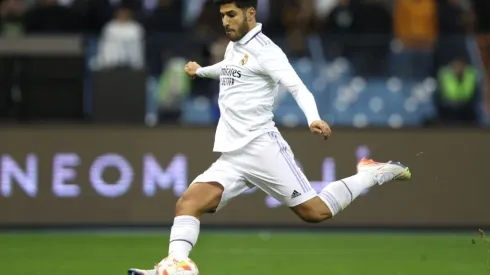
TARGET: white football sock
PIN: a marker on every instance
(183, 236)
(339, 194)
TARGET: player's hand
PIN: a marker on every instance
(191, 69)
(320, 127)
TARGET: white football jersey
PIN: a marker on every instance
(249, 76)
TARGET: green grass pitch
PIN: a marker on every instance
(228, 253)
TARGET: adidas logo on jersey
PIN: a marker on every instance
(295, 194)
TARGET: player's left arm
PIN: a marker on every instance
(276, 65)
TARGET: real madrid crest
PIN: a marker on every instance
(244, 60)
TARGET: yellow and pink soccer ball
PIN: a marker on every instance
(176, 266)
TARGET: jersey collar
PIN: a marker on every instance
(251, 34)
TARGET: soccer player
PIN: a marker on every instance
(253, 152)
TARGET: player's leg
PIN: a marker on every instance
(208, 193)
(334, 197)
(201, 197)
(339, 194)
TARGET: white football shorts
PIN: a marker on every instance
(268, 163)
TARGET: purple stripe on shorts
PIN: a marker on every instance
(306, 187)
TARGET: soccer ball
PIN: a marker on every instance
(176, 266)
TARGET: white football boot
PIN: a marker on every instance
(384, 172)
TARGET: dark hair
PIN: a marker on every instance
(242, 4)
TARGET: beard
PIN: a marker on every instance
(240, 32)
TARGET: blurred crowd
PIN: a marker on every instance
(363, 31)
(406, 18)
(416, 23)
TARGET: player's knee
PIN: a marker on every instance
(312, 217)
(313, 211)
(198, 199)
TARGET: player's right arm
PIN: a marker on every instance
(194, 70)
